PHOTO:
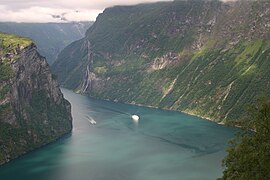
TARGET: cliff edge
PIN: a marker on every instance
(33, 111)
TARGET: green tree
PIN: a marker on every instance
(249, 152)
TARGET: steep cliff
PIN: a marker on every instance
(33, 111)
(50, 38)
(206, 58)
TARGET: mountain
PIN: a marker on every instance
(50, 38)
(33, 111)
(205, 58)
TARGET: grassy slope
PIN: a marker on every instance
(216, 80)
(9, 43)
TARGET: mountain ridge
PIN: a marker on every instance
(206, 58)
(50, 38)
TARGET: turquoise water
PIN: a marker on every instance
(163, 145)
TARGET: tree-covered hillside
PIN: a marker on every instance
(248, 154)
(206, 58)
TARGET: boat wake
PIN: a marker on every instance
(91, 120)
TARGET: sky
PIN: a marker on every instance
(57, 10)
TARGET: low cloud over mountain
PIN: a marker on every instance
(57, 10)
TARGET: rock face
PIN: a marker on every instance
(33, 111)
(206, 58)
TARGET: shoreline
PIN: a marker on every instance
(221, 123)
(184, 112)
(63, 136)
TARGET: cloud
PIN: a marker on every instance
(57, 10)
(45, 14)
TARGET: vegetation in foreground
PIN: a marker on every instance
(249, 153)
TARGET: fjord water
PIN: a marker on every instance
(163, 145)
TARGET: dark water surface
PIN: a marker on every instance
(164, 145)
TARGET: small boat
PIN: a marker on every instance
(135, 117)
